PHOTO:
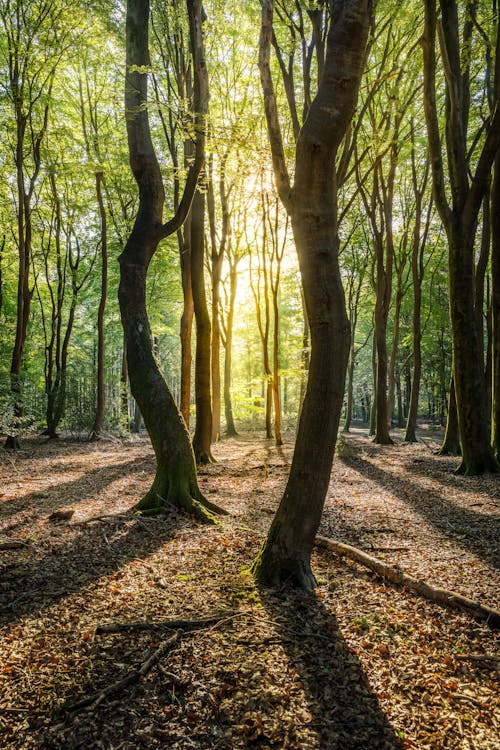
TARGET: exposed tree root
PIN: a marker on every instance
(396, 575)
(188, 500)
(129, 679)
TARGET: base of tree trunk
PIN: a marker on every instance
(271, 570)
(94, 437)
(231, 433)
(410, 437)
(204, 457)
(449, 449)
(12, 443)
(166, 493)
(384, 440)
(487, 465)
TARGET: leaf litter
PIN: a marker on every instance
(359, 664)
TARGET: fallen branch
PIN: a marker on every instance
(398, 576)
(12, 544)
(479, 657)
(129, 679)
(120, 627)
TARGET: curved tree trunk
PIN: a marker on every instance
(285, 555)
(175, 482)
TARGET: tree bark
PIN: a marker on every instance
(451, 442)
(312, 204)
(228, 406)
(101, 396)
(203, 431)
(459, 220)
(175, 482)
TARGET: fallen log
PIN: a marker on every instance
(396, 575)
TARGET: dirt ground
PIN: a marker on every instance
(359, 664)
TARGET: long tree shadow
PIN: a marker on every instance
(89, 483)
(69, 568)
(346, 714)
(472, 531)
(444, 476)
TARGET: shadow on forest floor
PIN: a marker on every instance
(72, 492)
(346, 714)
(68, 568)
(470, 530)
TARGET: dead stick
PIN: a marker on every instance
(120, 627)
(477, 657)
(13, 544)
(134, 676)
(398, 576)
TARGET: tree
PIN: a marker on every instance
(311, 203)
(175, 481)
(91, 127)
(418, 244)
(36, 38)
(459, 217)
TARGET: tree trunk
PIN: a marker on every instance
(394, 353)
(175, 482)
(495, 290)
(382, 303)
(203, 430)
(373, 407)
(285, 555)
(186, 326)
(228, 406)
(275, 378)
(468, 368)
(99, 416)
(459, 219)
(350, 390)
(451, 442)
(124, 388)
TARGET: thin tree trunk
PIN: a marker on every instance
(228, 406)
(186, 325)
(451, 442)
(101, 397)
(123, 387)
(203, 430)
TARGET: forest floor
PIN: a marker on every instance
(360, 664)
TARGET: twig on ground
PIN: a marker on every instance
(12, 544)
(129, 679)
